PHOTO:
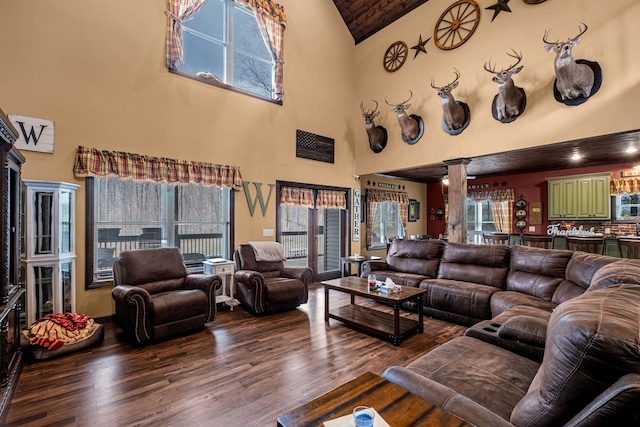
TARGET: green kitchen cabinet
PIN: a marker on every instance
(580, 197)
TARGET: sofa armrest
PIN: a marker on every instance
(133, 305)
(444, 397)
(249, 277)
(527, 329)
(305, 274)
(617, 405)
(373, 266)
(208, 284)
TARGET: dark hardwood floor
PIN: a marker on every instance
(241, 370)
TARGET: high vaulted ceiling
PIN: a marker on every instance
(366, 17)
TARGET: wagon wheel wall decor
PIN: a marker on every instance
(456, 24)
(395, 56)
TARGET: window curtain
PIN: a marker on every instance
(330, 199)
(272, 22)
(384, 196)
(294, 196)
(160, 170)
(501, 207)
(178, 12)
(625, 186)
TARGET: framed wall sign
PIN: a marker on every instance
(413, 210)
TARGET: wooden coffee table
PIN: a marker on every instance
(384, 325)
(396, 405)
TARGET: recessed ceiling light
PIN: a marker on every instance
(576, 157)
(631, 150)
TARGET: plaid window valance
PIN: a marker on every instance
(386, 196)
(505, 195)
(329, 199)
(306, 198)
(625, 186)
(294, 196)
(91, 162)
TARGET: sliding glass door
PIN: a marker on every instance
(313, 237)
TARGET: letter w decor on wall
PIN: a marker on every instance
(34, 134)
(259, 197)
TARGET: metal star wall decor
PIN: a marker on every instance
(420, 46)
(499, 7)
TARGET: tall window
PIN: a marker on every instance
(130, 215)
(223, 44)
(386, 225)
(479, 220)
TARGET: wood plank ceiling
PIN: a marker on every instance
(366, 17)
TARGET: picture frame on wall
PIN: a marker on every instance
(413, 210)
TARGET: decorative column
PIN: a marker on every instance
(457, 172)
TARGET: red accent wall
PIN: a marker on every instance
(533, 186)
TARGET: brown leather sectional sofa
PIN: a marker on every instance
(554, 336)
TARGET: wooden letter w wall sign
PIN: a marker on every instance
(34, 134)
(258, 199)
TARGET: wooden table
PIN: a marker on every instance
(396, 405)
(375, 322)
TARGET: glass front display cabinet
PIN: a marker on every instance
(49, 256)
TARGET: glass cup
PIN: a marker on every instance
(363, 416)
(371, 280)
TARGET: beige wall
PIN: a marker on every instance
(97, 69)
(612, 41)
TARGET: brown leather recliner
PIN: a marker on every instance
(269, 287)
(156, 298)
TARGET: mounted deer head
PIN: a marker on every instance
(509, 101)
(573, 80)
(454, 115)
(410, 125)
(377, 134)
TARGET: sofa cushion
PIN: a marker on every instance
(526, 329)
(579, 273)
(537, 271)
(622, 271)
(170, 307)
(480, 264)
(504, 300)
(398, 277)
(592, 341)
(491, 376)
(420, 257)
(465, 298)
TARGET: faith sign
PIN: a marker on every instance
(33, 134)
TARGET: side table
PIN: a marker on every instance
(357, 260)
(225, 269)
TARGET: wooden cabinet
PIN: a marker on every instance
(49, 255)
(580, 197)
(11, 290)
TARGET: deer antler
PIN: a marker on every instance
(515, 55)
(457, 73)
(489, 68)
(433, 84)
(544, 38)
(369, 112)
(388, 103)
(582, 32)
(408, 99)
